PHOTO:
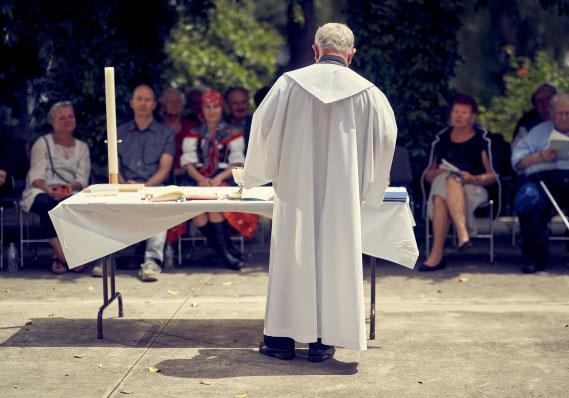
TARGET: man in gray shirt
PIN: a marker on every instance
(146, 155)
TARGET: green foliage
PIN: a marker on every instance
(524, 77)
(409, 50)
(228, 48)
(71, 42)
(528, 26)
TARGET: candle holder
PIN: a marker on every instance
(239, 178)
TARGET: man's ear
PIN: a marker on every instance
(350, 56)
(316, 52)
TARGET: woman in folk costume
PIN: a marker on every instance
(209, 153)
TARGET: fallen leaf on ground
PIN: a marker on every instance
(16, 386)
(194, 304)
(566, 326)
(420, 382)
(206, 281)
(90, 288)
(227, 283)
(173, 293)
(240, 396)
(439, 291)
(205, 382)
(78, 356)
(152, 369)
(125, 392)
(463, 279)
(50, 315)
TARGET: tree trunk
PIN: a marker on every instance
(301, 27)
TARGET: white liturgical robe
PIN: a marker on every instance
(325, 137)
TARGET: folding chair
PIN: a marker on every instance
(29, 225)
(492, 205)
(194, 236)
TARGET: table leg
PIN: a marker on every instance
(372, 306)
(109, 268)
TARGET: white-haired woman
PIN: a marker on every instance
(59, 165)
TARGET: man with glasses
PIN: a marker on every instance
(540, 112)
(540, 161)
(146, 155)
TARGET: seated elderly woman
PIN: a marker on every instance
(456, 194)
(59, 165)
(209, 153)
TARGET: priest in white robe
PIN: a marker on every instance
(325, 137)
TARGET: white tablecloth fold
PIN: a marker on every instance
(90, 227)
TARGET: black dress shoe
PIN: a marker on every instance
(279, 353)
(426, 268)
(318, 352)
(532, 268)
(466, 246)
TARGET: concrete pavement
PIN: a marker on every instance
(472, 330)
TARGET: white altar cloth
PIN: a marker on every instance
(90, 227)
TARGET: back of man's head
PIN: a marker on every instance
(334, 37)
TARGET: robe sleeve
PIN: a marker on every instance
(379, 149)
(266, 132)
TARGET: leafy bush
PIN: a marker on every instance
(522, 80)
(227, 48)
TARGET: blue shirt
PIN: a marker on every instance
(140, 150)
(536, 140)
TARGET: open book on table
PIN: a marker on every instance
(560, 142)
(173, 193)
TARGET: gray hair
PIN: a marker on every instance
(171, 90)
(336, 37)
(55, 107)
(558, 98)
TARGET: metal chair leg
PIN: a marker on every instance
(1, 238)
(21, 219)
(372, 305)
(427, 242)
(179, 242)
(491, 220)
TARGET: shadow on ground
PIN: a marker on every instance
(222, 363)
(123, 332)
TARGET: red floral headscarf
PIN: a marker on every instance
(212, 97)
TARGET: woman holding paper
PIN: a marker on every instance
(59, 165)
(209, 153)
(459, 168)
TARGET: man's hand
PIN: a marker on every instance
(3, 176)
(548, 154)
(467, 178)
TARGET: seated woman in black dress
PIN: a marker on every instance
(455, 195)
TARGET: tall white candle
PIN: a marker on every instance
(111, 124)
